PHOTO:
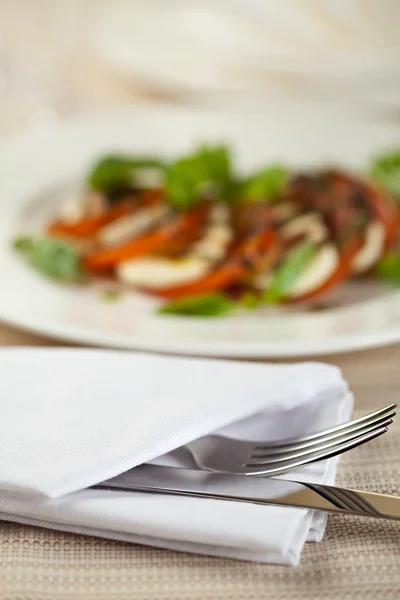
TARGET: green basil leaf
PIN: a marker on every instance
(249, 300)
(111, 295)
(56, 259)
(389, 267)
(53, 258)
(266, 184)
(204, 174)
(23, 244)
(204, 305)
(118, 171)
(385, 169)
(288, 272)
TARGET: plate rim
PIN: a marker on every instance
(252, 349)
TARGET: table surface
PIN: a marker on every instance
(358, 558)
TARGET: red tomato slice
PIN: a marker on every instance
(386, 211)
(244, 258)
(342, 272)
(104, 259)
(89, 226)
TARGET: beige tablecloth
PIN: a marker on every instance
(358, 558)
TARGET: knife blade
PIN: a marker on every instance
(256, 490)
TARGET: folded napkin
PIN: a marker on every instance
(72, 418)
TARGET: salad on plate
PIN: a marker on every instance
(207, 240)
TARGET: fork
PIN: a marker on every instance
(217, 453)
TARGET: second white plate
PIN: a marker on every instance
(35, 171)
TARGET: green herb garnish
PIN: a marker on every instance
(119, 172)
(204, 174)
(53, 258)
(249, 300)
(205, 305)
(23, 244)
(288, 272)
(389, 267)
(111, 295)
(385, 169)
(266, 184)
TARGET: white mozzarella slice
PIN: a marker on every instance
(130, 226)
(310, 226)
(214, 243)
(220, 214)
(153, 273)
(91, 203)
(149, 177)
(286, 210)
(262, 281)
(96, 203)
(372, 250)
(321, 267)
(73, 210)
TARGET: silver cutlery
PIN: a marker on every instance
(221, 454)
(254, 490)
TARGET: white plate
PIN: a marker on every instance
(36, 170)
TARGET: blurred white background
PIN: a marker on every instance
(61, 57)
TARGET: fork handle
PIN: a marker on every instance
(255, 490)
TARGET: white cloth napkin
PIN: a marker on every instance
(72, 418)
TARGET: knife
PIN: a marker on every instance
(255, 490)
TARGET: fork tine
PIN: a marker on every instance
(375, 415)
(352, 429)
(216, 453)
(289, 456)
(339, 449)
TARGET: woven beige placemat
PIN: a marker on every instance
(358, 558)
